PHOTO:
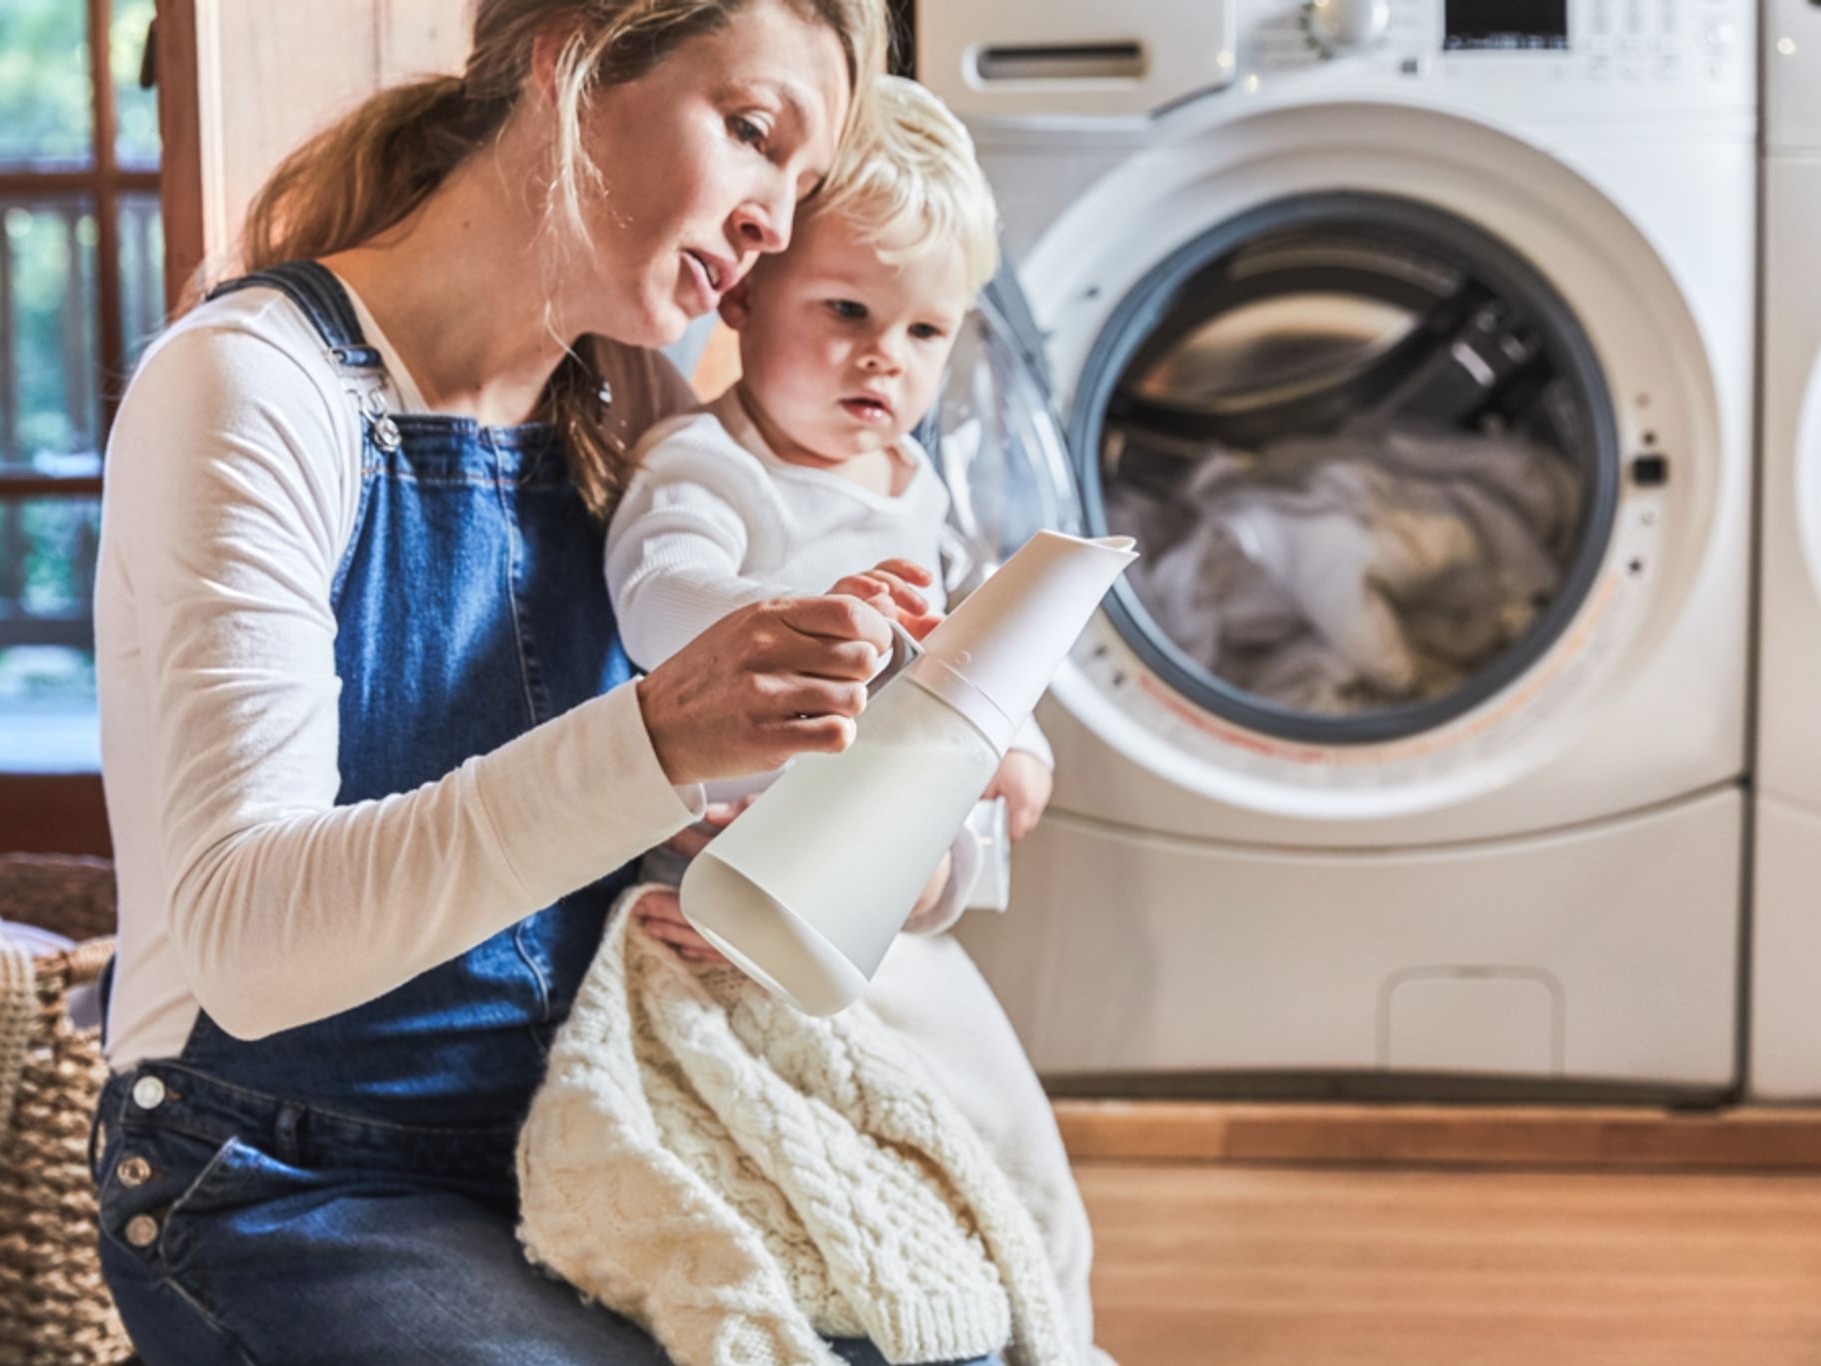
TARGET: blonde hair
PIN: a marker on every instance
(910, 181)
(373, 169)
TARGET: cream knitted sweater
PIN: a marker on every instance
(743, 1180)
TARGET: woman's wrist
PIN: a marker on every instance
(668, 761)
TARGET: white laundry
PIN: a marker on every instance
(1334, 574)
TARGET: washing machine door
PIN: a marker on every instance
(997, 441)
(1435, 475)
(1371, 459)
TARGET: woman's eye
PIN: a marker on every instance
(847, 308)
(745, 130)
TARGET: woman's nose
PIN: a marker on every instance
(762, 220)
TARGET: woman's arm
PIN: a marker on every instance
(231, 493)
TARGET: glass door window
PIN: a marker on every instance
(1370, 459)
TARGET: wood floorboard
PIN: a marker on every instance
(1221, 1264)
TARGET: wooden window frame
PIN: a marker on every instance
(65, 812)
(105, 181)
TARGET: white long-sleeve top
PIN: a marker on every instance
(233, 481)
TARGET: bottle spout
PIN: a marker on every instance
(1011, 635)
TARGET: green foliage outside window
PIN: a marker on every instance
(50, 401)
(46, 106)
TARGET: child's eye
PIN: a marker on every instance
(847, 309)
(745, 130)
(925, 331)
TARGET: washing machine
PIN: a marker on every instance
(1786, 932)
(1413, 341)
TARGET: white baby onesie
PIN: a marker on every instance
(713, 520)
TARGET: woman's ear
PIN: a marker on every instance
(736, 304)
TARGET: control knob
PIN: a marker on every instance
(1339, 26)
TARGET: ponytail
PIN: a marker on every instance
(353, 181)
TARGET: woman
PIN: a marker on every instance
(372, 753)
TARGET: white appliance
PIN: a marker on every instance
(1785, 1061)
(1500, 230)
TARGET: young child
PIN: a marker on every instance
(803, 478)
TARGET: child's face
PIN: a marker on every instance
(841, 351)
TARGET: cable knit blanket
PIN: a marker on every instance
(744, 1180)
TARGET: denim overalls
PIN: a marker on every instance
(344, 1191)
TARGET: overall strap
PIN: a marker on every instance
(313, 288)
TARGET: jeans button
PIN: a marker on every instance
(148, 1093)
(142, 1230)
(133, 1171)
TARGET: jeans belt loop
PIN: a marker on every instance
(285, 1131)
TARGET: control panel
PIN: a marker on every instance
(1543, 62)
(1662, 43)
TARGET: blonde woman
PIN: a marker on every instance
(374, 762)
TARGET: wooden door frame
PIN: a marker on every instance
(180, 134)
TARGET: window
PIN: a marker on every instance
(81, 291)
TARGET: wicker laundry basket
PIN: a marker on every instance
(54, 1307)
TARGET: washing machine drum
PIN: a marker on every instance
(1368, 456)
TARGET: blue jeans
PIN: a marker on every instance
(240, 1228)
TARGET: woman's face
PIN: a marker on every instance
(704, 159)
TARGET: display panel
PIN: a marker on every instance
(1506, 25)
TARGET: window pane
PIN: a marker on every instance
(49, 363)
(47, 653)
(135, 110)
(48, 717)
(47, 566)
(46, 102)
(141, 272)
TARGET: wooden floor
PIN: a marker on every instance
(1223, 1264)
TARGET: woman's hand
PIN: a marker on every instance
(660, 911)
(660, 914)
(770, 681)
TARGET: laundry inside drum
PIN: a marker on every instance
(1359, 467)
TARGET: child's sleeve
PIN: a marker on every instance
(680, 540)
(1031, 739)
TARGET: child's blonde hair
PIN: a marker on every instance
(911, 183)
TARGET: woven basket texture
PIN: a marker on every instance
(54, 1306)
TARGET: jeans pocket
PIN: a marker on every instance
(237, 1178)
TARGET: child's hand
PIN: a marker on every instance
(1025, 782)
(932, 890)
(886, 588)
